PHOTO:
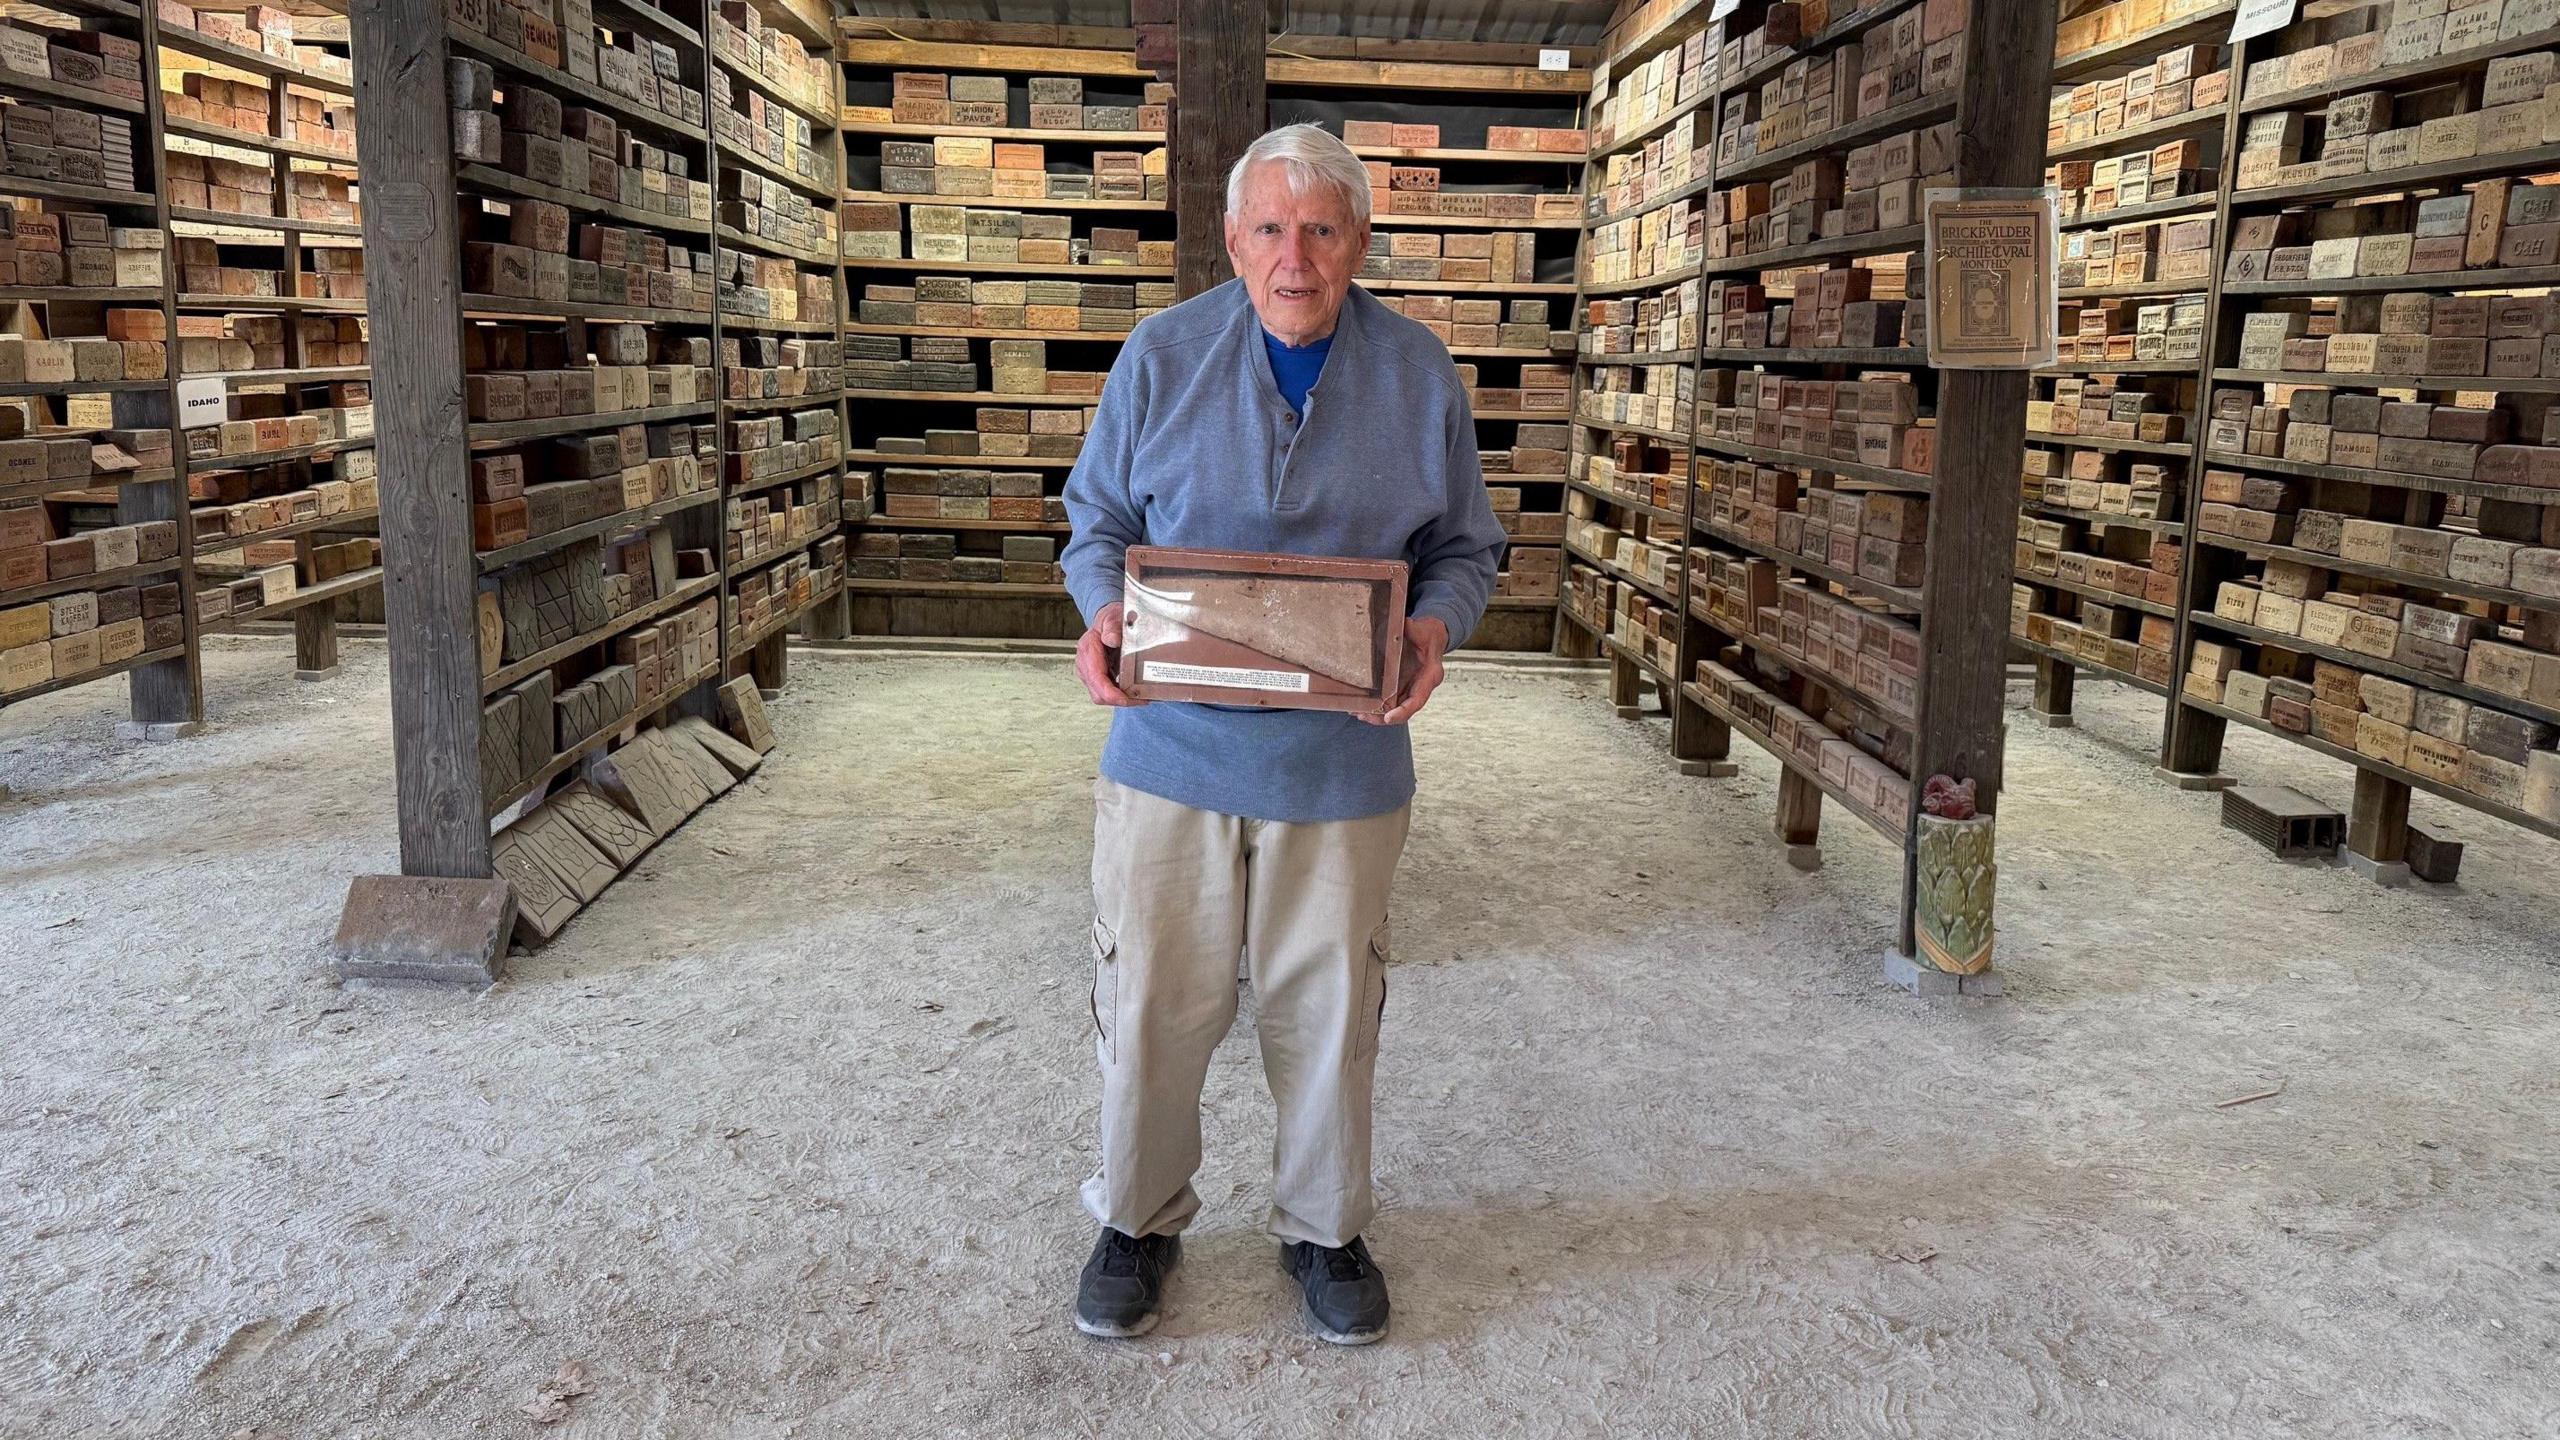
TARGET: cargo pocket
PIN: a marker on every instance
(1373, 995)
(1106, 990)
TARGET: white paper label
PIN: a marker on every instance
(1555, 59)
(1167, 672)
(2259, 17)
(202, 402)
(1722, 9)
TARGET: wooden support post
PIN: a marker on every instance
(1799, 818)
(1982, 421)
(829, 619)
(165, 700)
(1218, 111)
(430, 577)
(770, 663)
(1626, 686)
(2052, 702)
(1701, 743)
(315, 641)
(2378, 829)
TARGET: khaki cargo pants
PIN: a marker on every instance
(1177, 894)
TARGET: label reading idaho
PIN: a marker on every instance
(1167, 672)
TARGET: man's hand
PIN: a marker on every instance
(1097, 659)
(1425, 638)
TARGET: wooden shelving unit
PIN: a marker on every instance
(1862, 662)
(1448, 187)
(964, 285)
(279, 382)
(2454, 691)
(94, 564)
(561, 587)
(2112, 431)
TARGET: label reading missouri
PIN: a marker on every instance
(1167, 672)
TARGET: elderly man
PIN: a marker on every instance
(1284, 411)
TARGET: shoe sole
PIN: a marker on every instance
(1350, 1337)
(1100, 1331)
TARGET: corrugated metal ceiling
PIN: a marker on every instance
(1508, 22)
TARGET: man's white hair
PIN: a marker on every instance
(1308, 155)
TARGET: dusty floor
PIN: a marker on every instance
(782, 1139)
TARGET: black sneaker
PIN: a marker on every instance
(1346, 1292)
(1123, 1286)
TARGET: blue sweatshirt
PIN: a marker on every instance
(1194, 446)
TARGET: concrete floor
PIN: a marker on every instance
(782, 1138)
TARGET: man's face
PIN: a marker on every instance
(1296, 253)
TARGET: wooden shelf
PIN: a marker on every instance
(1625, 427)
(571, 310)
(103, 672)
(631, 619)
(1645, 130)
(2077, 662)
(2520, 277)
(79, 387)
(2141, 290)
(1733, 721)
(100, 580)
(1640, 357)
(2394, 479)
(781, 477)
(815, 259)
(1009, 202)
(2141, 47)
(1849, 580)
(2413, 780)
(245, 140)
(1001, 527)
(351, 520)
(2170, 528)
(776, 326)
(784, 621)
(1848, 469)
(2343, 379)
(2119, 367)
(2091, 592)
(1910, 115)
(2405, 579)
(822, 112)
(1469, 287)
(1406, 75)
(774, 170)
(38, 489)
(2173, 450)
(1846, 685)
(568, 759)
(1696, 185)
(14, 82)
(898, 130)
(1463, 155)
(2441, 66)
(1662, 679)
(1662, 281)
(307, 375)
(79, 294)
(2147, 210)
(492, 561)
(1619, 573)
(1102, 273)
(311, 304)
(85, 194)
(955, 589)
(251, 460)
(960, 462)
(253, 62)
(1611, 497)
(973, 397)
(2208, 118)
(1873, 242)
(283, 224)
(2406, 674)
(1470, 222)
(353, 582)
(507, 432)
(1899, 357)
(622, 107)
(491, 178)
(786, 402)
(747, 567)
(2443, 173)
(986, 332)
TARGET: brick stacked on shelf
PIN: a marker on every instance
(967, 166)
(1397, 189)
(264, 29)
